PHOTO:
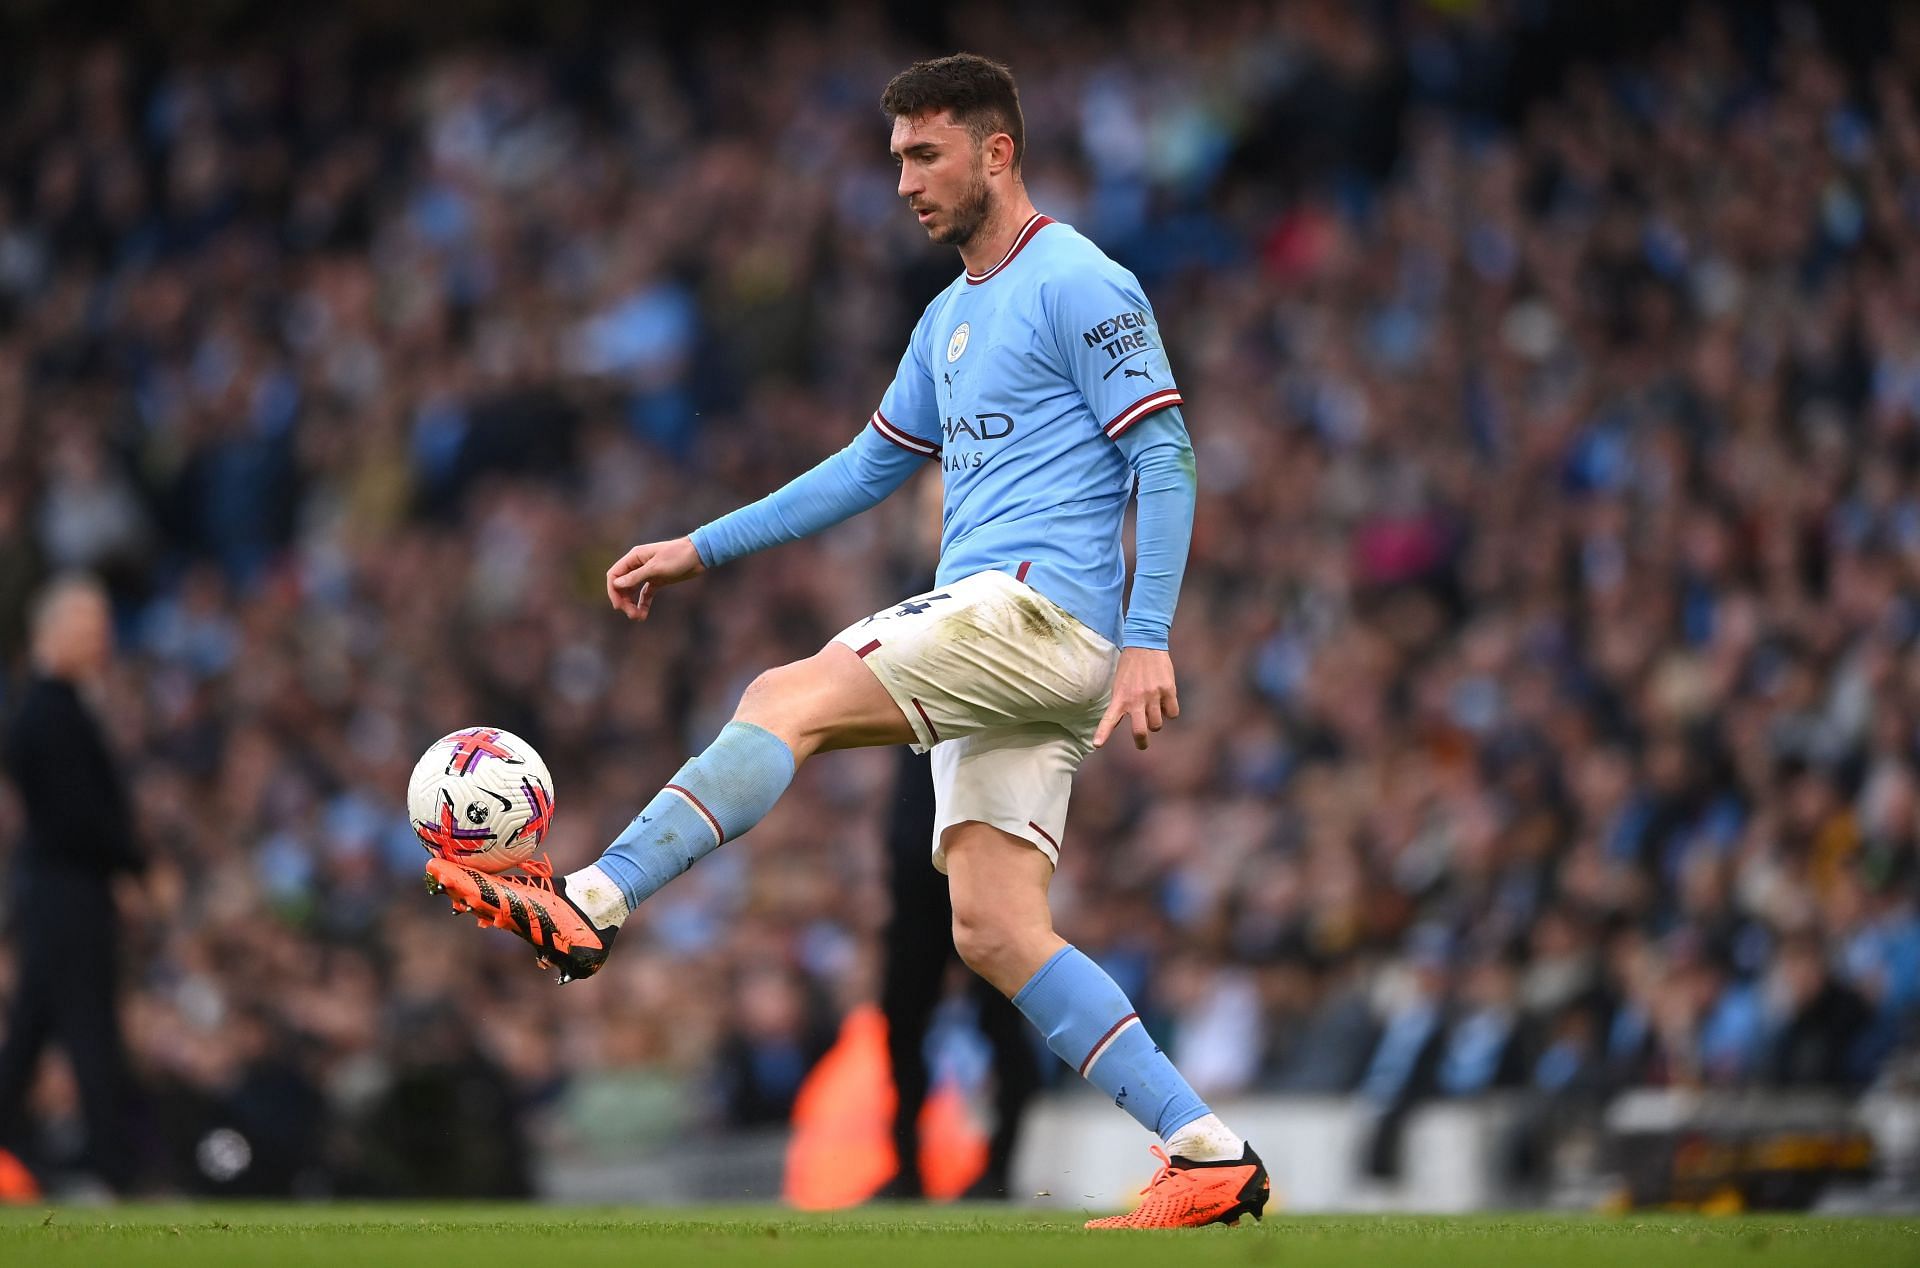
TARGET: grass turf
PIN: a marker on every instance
(911, 1237)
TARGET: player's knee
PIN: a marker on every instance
(984, 939)
(781, 700)
(1002, 946)
(765, 690)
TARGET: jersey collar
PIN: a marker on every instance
(1034, 225)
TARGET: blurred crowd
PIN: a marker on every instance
(1548, 657)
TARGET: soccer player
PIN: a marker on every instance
(1039, 383)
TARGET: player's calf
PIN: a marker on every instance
(828, 701)
(1002, 928)
(789, 713)
(712, 799)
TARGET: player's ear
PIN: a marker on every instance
(999, 153)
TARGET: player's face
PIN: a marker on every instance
(943, 177)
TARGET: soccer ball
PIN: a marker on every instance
(481, 797)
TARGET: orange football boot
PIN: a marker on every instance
(535, 906)
(1189, 1194)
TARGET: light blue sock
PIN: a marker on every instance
(1090, 1024)
(713, 798)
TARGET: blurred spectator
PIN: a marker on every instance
(447, 1124)
(1405, 1065)
(768, 1049)
(64, 921)
(1818, 1023)
(1484, 1049)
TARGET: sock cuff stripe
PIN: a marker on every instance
(1106, 1041)
(719, 836)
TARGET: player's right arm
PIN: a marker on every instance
(853, 480)
(903, 433)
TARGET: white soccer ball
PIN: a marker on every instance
(481, 797)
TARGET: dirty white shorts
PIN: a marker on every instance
(1004, 687)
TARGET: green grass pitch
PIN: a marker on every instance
(911, 1237)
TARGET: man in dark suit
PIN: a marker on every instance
(919, 950)
(62, 922)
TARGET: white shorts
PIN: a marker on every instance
(1004, 687)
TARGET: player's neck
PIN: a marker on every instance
(996, 237)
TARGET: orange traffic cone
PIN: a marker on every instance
(953, 1149)
(841, 1151)
(16, 1182)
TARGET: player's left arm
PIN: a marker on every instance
(1144, 692)
(1107, 338)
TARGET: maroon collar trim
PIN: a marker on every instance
(1020, 240)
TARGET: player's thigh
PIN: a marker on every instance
(998, 884)
(994, 875)
(827, 701)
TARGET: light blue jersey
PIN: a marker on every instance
(1020, 379)
(1042, 389)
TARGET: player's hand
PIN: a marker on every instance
(1143, 693)
(638, 575)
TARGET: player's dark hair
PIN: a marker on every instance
(978, 92)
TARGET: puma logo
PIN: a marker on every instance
(1131, 373)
